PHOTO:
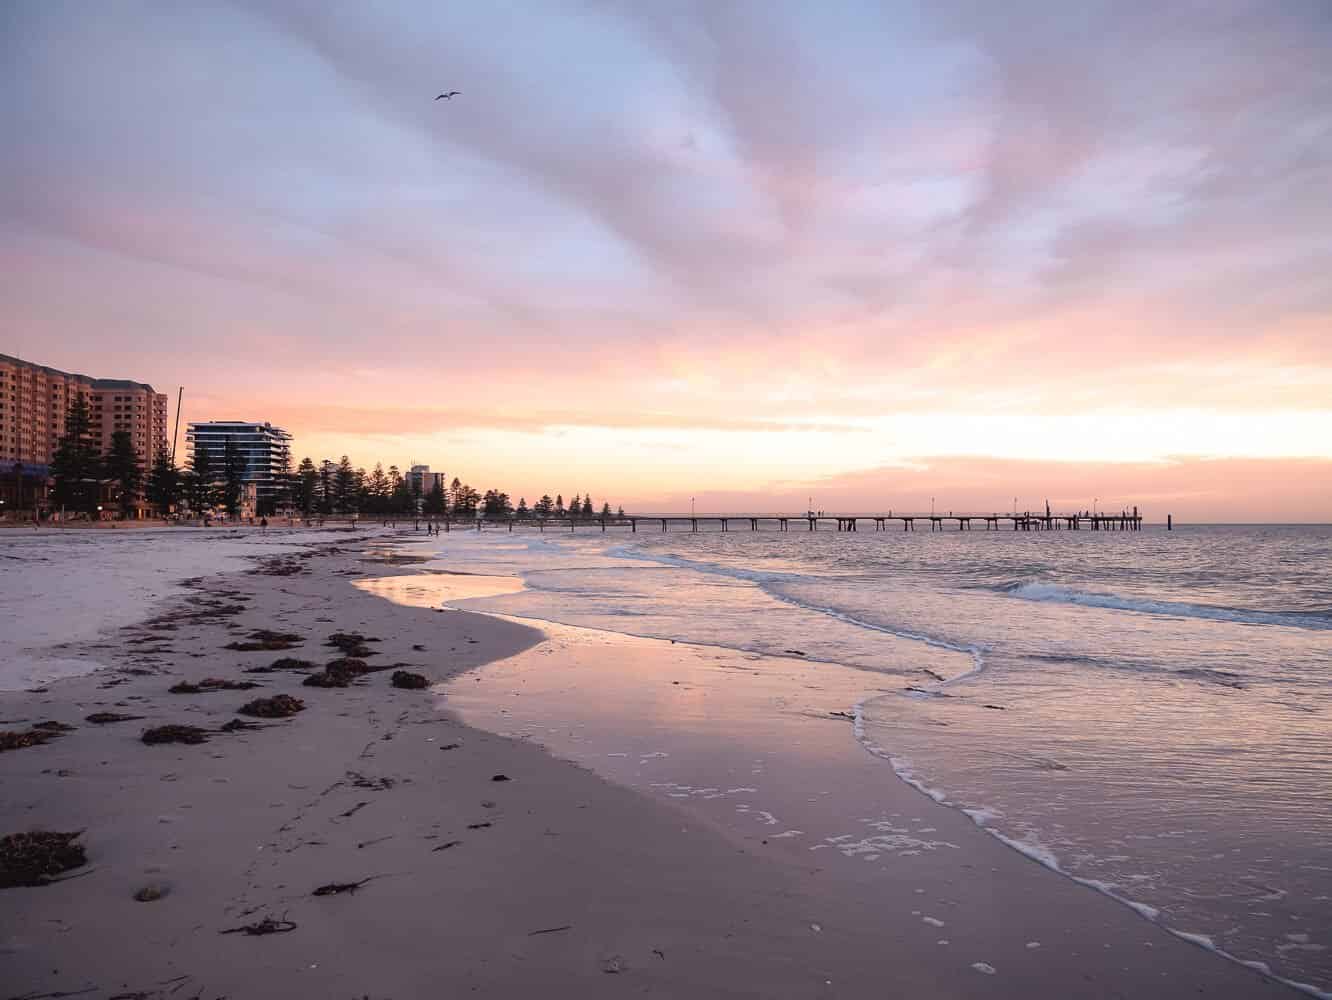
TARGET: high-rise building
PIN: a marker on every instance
(264, 450)
(34, 400)
(421, 481)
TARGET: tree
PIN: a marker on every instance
(76, 467)
(163, 489)
(587, 507)
(305, 490)
(121, 465)
(606, 511)
(401, 500)
(200, 489)
(559, 504)
(496, 504)
(434, 501)
(465, 501)
(344, 487)
(327, 473)
(377, 490)
(621, 512)
(522, 513)
(544, 507)
(575, 507)
(233, 477)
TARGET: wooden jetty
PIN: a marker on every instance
(1125, 520)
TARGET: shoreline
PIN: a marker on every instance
(364, 791)
(898, 836)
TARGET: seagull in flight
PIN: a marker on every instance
(449, 96)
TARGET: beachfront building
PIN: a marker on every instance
(33, 402)
(264, 450)
(421, 481)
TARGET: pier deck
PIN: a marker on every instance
(1021, 521)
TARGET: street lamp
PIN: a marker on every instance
(931, 506)
(691, 506)
(1094, 500)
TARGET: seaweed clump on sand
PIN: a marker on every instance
(190, 735)
(280, 706)
(410, 681)
(37, 857)
(262, 640)
(329, 678)
(35, 736)
(352, 643)
(284, 663)
(211, 684)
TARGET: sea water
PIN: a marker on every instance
(1148, 712)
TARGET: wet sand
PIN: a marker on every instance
(555, 882)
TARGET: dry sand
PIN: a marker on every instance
(555, 883)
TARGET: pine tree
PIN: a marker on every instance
(544, 507)
(76, 467)
(606, 511)
(306, 488)
(121, 466)
(344, 487)
(163, 487)
(434, 501)
(200, 490)
(233, 477)
(575, 507)
(454, 489)
(522, 513)
(559, 504)
(400, 499)
(327, 473)
(587, 507)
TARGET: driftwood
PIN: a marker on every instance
(266, 926)
(209, 684)
(334, 888)
(174, 734)
(101, 718)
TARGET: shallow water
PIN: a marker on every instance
(1150, 712)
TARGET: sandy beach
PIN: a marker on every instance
(457, 861)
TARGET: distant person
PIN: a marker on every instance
(263, 525)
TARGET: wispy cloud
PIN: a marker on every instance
(700, 218)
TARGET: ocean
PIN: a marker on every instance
(1147, 712)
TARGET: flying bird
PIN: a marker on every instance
(449, 96)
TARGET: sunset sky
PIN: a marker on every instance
(748, 252)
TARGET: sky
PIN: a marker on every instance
(752, 253)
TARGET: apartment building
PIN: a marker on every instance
(33, 402)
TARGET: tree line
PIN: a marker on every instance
(340, 488)
(81, 473)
